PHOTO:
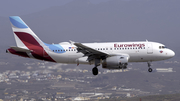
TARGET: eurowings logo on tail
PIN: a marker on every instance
(26, 39)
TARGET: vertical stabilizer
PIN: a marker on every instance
(28, 43)
(24, 36)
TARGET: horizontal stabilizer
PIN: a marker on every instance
(20, 49)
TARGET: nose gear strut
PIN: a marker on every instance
(149, 65)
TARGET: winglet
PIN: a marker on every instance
(72, 42)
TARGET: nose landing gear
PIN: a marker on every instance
(149, 65)
(150, 70)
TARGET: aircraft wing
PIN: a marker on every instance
(20, 49)
(90, 52)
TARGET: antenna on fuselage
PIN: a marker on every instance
(146, 40)
(72, 42)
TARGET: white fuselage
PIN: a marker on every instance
(143, 51)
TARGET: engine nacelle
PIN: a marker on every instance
(115, 62)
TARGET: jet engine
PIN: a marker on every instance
(115, 62)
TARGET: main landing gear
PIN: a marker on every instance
(95, 69)
(149, 65)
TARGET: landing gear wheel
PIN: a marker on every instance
(150, 70)
(95, 71)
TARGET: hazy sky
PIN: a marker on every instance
(23, 7)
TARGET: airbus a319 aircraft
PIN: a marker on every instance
(111, 55)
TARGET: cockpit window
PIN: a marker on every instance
(121, 57)
(162, 47)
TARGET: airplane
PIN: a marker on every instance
(111, 55)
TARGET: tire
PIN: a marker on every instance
(150, 70)
(95, 71)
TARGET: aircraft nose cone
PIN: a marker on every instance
(172, 53)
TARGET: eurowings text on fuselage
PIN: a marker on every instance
(111, 55)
